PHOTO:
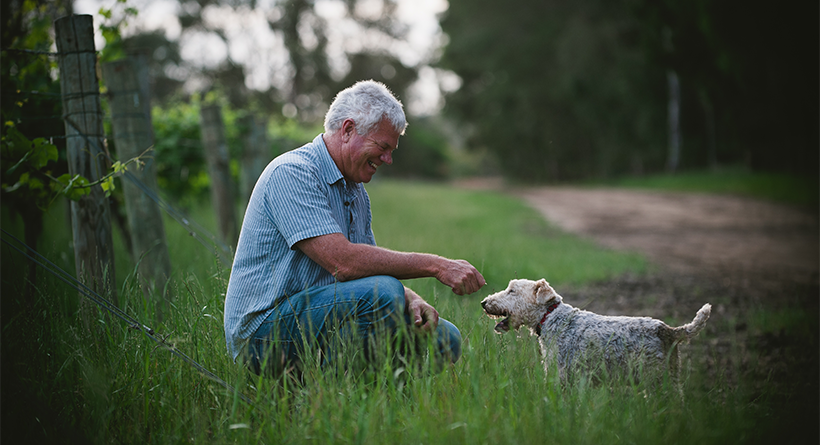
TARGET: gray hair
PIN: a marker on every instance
(367, 102)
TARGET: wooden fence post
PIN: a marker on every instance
(90, 216)
(216, 154)
(254, 154)
(133, 134)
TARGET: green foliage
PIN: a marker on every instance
(179, 156)
(744, 107)
(567, 90)
(32, 182)
(113, 20)
(557, 90)
(27, 29)
(25, 174)
(182, 171)
(422, 153)
(36, 153)
(30, 107)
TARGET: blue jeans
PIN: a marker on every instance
(345, 320)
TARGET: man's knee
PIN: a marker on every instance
(388, 293)
(449, 338)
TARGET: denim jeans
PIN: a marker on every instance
(352, 318)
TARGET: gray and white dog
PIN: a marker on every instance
(578, 340)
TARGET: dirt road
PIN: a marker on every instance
(717, 236)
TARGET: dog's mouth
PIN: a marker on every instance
(503, 325)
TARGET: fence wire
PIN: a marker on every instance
(195, 230)
(103, 303)
(211, 242)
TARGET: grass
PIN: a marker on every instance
(788, 189)
(64, 381)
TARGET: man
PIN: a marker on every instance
(307, 267)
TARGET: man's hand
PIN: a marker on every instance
(423, 316)
(461, 276)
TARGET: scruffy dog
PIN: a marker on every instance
(582, 341)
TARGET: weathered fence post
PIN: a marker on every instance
(254, 154)
(129, 98)
(216, 154)
(90, 216)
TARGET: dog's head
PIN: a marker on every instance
(522, 303)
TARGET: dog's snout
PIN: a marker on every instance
(484, 303)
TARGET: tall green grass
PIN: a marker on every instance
(64, 382)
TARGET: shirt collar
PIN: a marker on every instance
(328, 169)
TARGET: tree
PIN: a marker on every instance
(557, 90)
(561, 90)
(749, 89)
(30, 111)
(311, 72)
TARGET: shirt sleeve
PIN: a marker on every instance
(299, 204)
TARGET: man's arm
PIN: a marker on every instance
(349, 261)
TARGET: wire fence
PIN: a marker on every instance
(20, 98)
(103, 303)
(210, 241)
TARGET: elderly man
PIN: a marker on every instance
(307, 269)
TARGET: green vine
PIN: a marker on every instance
(30, 159)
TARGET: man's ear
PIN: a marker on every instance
(348, 129)
(543, 291)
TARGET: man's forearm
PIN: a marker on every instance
(348, 261)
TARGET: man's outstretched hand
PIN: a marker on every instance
(461, 277)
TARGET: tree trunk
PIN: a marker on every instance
(674, 122)
(711, 132)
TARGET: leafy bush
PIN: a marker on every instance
(422, 152)
(180, 161)
(182, 171)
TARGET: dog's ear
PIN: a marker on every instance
(543, 291)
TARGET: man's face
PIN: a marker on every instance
(364, 154)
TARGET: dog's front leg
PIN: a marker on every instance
(549, 353)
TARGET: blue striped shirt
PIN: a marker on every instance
(301, 194)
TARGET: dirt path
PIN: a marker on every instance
(717, 236)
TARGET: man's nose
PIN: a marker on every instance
(387, 157)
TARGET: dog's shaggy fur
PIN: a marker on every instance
(578, 340)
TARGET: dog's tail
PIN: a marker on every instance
(690, 330)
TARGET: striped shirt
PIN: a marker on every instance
(300, 194)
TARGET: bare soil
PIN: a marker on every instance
(749, 258)
(725, 237)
